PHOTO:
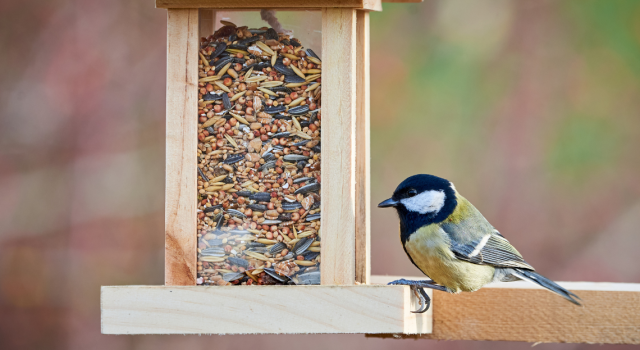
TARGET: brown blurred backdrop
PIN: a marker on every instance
(530, 106)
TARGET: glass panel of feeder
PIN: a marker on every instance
(259, 155)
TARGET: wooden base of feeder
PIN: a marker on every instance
(516, 311)
(260, 310)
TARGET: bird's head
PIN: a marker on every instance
(423, 199)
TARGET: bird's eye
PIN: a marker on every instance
(412, 192)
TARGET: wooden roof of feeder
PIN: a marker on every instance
(287, 5)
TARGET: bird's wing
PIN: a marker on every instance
(491, 249)
(473, 239)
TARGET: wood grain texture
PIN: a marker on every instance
(259, 309)
(181, 143)
(363, 156)
(338, 146)
(403, 1)
(206, 22)
(611, 314)
(373, 5)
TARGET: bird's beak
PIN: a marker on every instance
(388, 203)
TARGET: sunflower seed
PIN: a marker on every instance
(302, 179)
(233, 159)
(260, 197)
(312, 54)
(271, 272)
(313, 217)
(204, 177)
(232, 276)
(236, 213)
(308, 188)
(257, 207)
(223, 62)
(281, 68)
(281, 135)
(310, 278)
(294, 157)
(226, 102)
(291, 206)
(238, 261)
(299, 110)
(293, 79)
(275, 109)
(215, 242)
(219, 49)
(277, 248)
(302, 245)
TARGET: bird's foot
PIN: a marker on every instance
(418, 289)
(424, 284)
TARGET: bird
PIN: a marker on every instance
(453, 244)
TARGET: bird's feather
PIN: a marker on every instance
(474, 240)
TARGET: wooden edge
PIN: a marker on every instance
(181, 145)
(306, 9)
(259, 310)
(250, 9)
(373, 5)
(338, 221)
(363, 192)
(403, 1)
(520, 311)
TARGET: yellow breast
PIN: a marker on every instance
(429, 250)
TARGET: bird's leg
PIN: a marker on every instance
(418, 289)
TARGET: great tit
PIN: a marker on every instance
(448, 239)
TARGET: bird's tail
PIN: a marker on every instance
(544, 282)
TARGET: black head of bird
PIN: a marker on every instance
(422, 200)
(450, 241)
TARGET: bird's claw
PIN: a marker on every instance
(417, 287)
(425, 301)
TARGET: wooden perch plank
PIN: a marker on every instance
(259, 309)
(270, 4)
(338, 146)
(363, 198)
(519, 311)
(180, 181)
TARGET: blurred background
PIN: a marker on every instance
(531, 107)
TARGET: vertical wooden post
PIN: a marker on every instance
(207, 22)
(363, 205)
(180, 182)
(338, 146)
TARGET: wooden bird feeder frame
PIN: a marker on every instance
(348, 300)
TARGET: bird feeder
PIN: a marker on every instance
(203, 213)
(339, 299)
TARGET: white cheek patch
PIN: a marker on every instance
(425, 202)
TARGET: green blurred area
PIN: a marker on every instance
(531, 107)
